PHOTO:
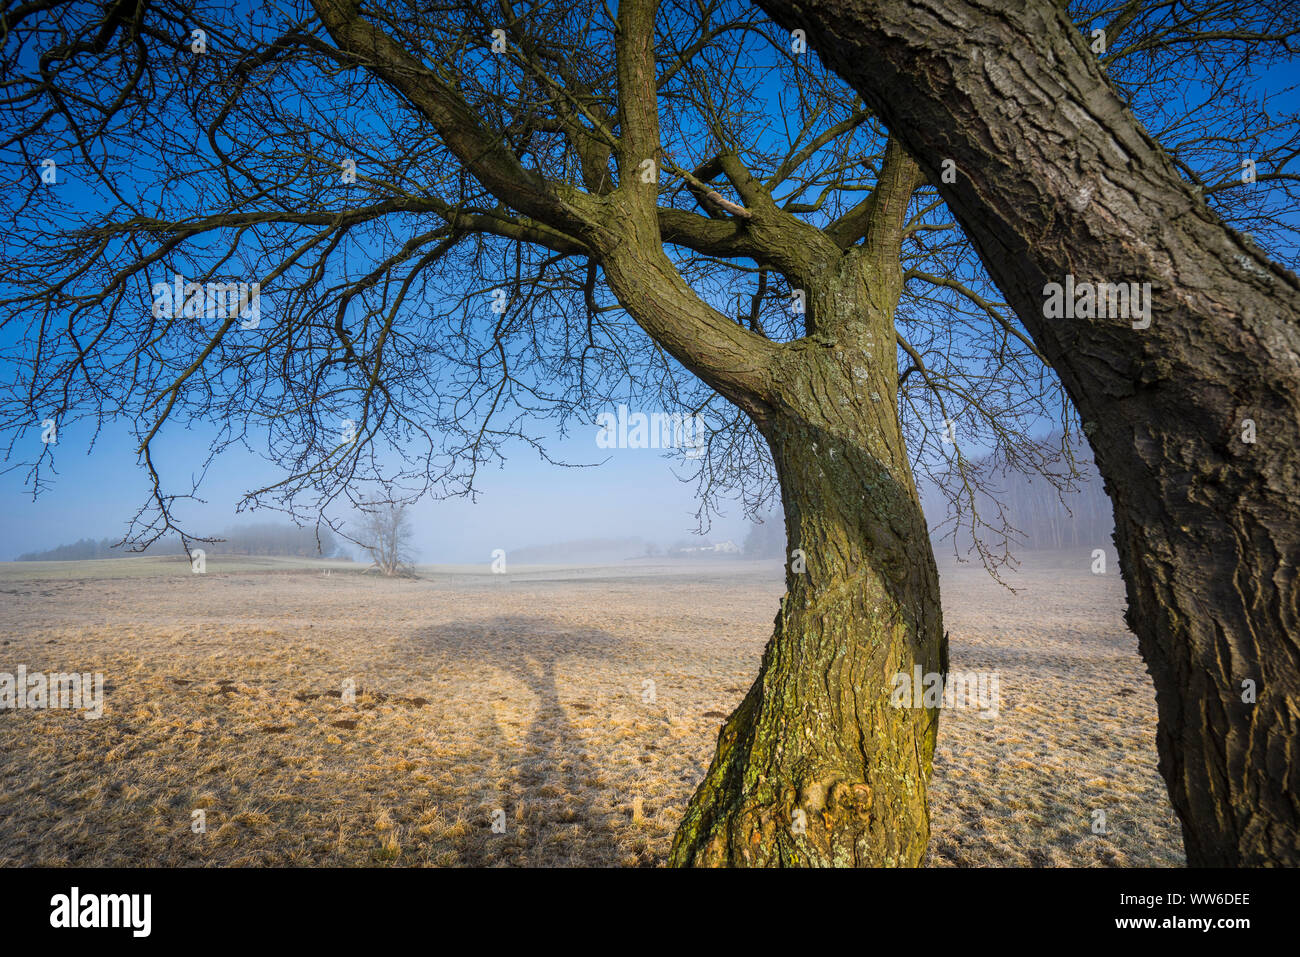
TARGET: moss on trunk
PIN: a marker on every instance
(817, 767)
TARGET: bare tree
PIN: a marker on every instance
(445, 223)
(384, 532)
(1195, 419)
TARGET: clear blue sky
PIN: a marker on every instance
(634, 493)
(529, 501)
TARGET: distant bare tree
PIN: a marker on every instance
(384, 531)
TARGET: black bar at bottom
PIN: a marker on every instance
(303, 907)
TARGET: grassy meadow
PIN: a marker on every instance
(290, 712)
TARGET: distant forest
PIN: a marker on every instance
(1042, 518)
(581, 550)
(766, 539)
(267, 538)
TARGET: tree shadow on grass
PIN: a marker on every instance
(542, 786)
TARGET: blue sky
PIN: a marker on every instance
(634, 492)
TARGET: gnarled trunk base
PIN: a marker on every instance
(818, 767)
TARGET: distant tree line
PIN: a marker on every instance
(766, 539)
(1035, 514)
(1040, 516)
(265, 538)
(271, 538)
(1051, 520)
(78, 551)
(586, 549)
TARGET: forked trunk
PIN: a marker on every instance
(817, 767)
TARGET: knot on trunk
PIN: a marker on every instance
(832, 794)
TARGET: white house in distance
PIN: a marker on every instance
(721, 548)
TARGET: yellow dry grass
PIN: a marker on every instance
(575, 708)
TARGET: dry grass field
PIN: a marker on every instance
(529, 694)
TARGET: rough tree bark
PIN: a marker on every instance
(817, 733)
(1055, 177)
(816, 768)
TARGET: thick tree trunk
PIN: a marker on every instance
(817, 767)
(1056, 177)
